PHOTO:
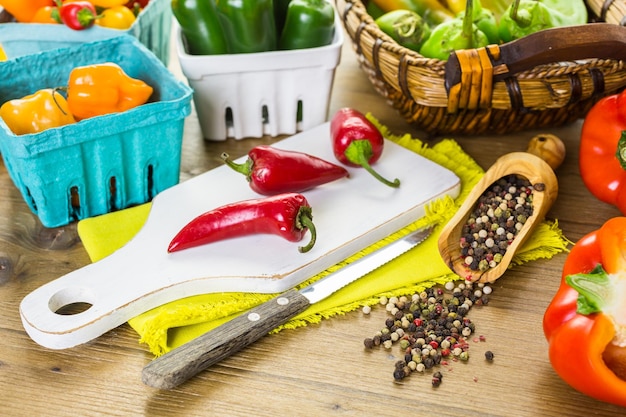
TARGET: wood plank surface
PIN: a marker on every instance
(320, 370)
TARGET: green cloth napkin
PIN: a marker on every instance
(171, 325)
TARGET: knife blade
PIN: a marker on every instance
(180, 364)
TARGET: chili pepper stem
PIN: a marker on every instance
(359, 152)
(245, 168)
(514, 9)
(56, 91)
(521, 19)
(305, 220)
(468, 20)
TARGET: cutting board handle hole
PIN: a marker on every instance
(71, 301)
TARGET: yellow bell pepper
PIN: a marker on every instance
(105, 4)
(3, 55)
(118, 17)
(99, 89)
(45, 109)
(457, 6)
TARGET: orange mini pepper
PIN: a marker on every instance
(99, 89)
(47, 14)
(34, 113)
(585, 323)
(24, 10)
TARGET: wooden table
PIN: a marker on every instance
(320, 370)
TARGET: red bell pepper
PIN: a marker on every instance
(287, 215)
(357, 142)
(585, 324)
(273, 171)
(602, 157)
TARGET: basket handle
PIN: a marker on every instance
(470, 73)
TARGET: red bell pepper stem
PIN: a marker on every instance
(357, 142)
(585, 323)
(287, 215)
(271, 171)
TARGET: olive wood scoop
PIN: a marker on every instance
(544, 154)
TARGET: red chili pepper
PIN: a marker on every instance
(357, 142)
(287, 215)
(273, 171)
(602, 157)
(585, 323)
(77, 15)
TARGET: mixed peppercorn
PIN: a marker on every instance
(431, 328)
(498, 216)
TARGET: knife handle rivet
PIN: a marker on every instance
(254, 316)
(282, 301)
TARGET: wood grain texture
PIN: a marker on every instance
(319, 370)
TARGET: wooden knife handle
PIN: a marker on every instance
(184, 362)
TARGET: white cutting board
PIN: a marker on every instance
(350, 214)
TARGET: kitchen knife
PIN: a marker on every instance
(184, 362)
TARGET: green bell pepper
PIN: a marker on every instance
(374, 10)
(200, 27)
(524, 17)
(248, 25)
(458, 33)
(405, 27)
(309, 24)
(280, 14)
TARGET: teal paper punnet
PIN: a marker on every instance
(108, 162)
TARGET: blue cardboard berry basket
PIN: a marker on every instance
(103, 163)
(152, 27)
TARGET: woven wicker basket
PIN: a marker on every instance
(543, 80)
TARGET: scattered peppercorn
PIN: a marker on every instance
(489, 355)
(498, 216)
(430, 326)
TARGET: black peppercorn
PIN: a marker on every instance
(398, 374)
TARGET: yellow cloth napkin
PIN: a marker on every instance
(173, 324)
